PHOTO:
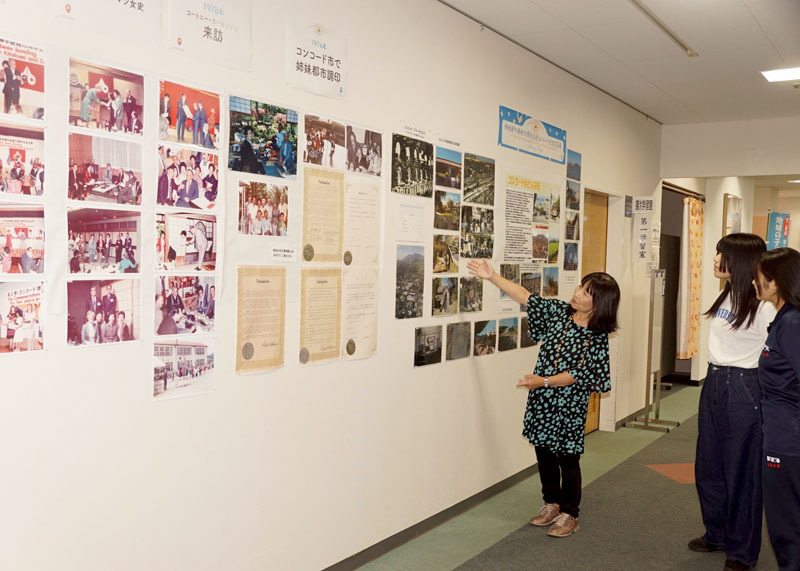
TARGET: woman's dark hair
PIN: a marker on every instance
(782, 265)
(740, 253)
(605, 299)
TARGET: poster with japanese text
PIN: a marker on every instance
(316, 59)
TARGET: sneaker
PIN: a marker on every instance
(731, 565)
(546, 515)
(700, 544)
(563, 526)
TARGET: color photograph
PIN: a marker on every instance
(555, 207)
(541, 237)
(104, 170)
(573, 201)
(445, 292)
(364, 151)
(412, 166)
(103, 311)
(470, 295)
(263, 138)
(507, 332)
(22, 235)
(324, 143)
(485, 342)
(263, 209)
(570, 256)
(409, 281)
(541, 208)
(446, 210)
(427, 345)
(554, 239)
(186, 242)
(510, 272)
(21, 317)
(23, 79)
(21, 161)
(103, 241)
(448, 168)
(183, 366)
(105, 98)
(187, 115)
(531, 281)
(445, 254)
(525, 334)
(572, 229)
(550, 282)
(187, 178)
(478, 179)
(184, 304)
(477, 232)
(574, 161)
(459, 340)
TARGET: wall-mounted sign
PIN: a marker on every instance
(527, 135)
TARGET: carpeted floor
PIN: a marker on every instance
(633, 517)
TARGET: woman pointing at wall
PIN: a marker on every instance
(572, 363)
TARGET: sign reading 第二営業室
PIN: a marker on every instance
(316, 59)
(212, 31)
(777, 230)
(527, 135)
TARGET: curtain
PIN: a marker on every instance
(689, 287)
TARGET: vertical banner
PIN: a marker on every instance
(777, 230)
(316, 60)
(642, 229)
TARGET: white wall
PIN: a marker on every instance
(300, 468)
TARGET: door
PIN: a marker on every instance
(595, 227)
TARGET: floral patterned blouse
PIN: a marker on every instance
(556, 416)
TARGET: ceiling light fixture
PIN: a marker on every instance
(664, 28)
(794, 181)
(787, 74)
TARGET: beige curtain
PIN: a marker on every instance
(689, 288)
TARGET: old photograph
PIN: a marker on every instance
(409, 281)
(22, 236)
(186, 242)
(470, 295)
(478, 179)
(485, 342)
(103, 311)
(187, 115)
(427, 345)
(104, 170)
(446, 210)
(364, 151)
(21, 317)
(22, 79)
(412, 166)
(187, 178)
(459, 340)
(325, 140)
(184, 304)
(477, 232)
(263, 209)
(21, 161)
(183, 366)
(105, 98)
(573, 201)
(103, 241)
(448, 168)
(507, 333)
(549, 282)
(445, 254)
(263, 138)
(445, 297)
(570, 256)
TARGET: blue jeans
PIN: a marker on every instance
(728, 462)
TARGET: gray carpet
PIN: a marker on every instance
(631, 518)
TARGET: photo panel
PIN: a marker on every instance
(470, 295)
(21, 317)
(570, 256)
(512, 273)
(21, 161)
(103, 311)
(541, 239)
(478, 179)
(184, 304)
(445, 254)
(573, 225)
(325, 140)
(531, 281)
(573, 201)
(188, 115)
(541, 207)
(525, 339)
(446, 210)
(550, 281)
(412, 166)
(477, 232)
(508, 332)
(187, 178)
(183, 366)
(23, 79)
(485, 342)
(409, 281)
(427, 345)
(263, 209)
(186, 242)
(459, 340)
(263, 138)
(448, 168)
(105, 98)
(553, 243)
(22, 236)
(103, 169)
(364, 151)
(445, 297)
(574, 161)
(103, 241)
(555, 207)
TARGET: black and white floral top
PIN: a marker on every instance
(556, 416)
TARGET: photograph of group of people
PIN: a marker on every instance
(263, 138)
(102, 311)
(21, 161)
(103, 241)
(187, 178)
(22, 79)
(364, 151)
(184, 304)
(22, 236)
(263, 209)
(478, 179)
(187, 115)
(183, 366)
(409, 281)
(412, 166)
(427, 345)
(477, 232)
(448, 168)
(105, 98)
(446, 210)
(324, 142)
(104, 170)
(186, 242)
(21, 329)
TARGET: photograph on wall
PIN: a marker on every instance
(412, 166)
(446, 210)
(572, 230)
(184, 304)
(21, 317)
(364, 151)
(445, 254)
(187, 178)
(23, 79)
(541, 208)
(105, 98)
(477, 232)
(573, 201)
(470, 295)
(570, 256)
(183, 366)
(324, 142)
(550, 281)
(478, 179)
(21, 161)
(186, 242)
(554, 241)
(541, 238)
(103, 311)
(525, 334)
(409, 281)
(263, 208)
(507, 333)
(731, 214)
(531, 281)
(106, 170)
(459, 340)
(262, 139)
(187, 115)
(512, 273)
(448, 168)
(573, 165)
(22, 236)
(445, 297)
(427, 345)
(485, 342)
(103, 241)
(555, 207)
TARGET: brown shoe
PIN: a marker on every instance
(563, 526)
(546, 515)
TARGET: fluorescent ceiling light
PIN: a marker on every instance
(787, 74)
(797, 181)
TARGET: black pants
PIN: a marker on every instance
(781, 484)
(561, 479)
(728, 461)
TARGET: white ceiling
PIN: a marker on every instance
(613, 46)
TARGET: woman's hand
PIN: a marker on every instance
(481, 268)
(530, 382)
